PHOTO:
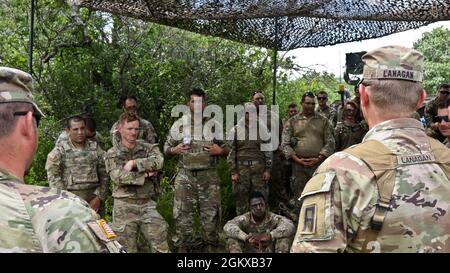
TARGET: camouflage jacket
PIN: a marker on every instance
(347, 135)
(97, 138)
(307, 137)
(447, 143)
(243, 225)
(431, 110)
(340, 200)
(146, 132)
(40, 219)
(133, 184)
(247, 149)
(70, 168)
(272, 121)
(330, 113)
(184, 128)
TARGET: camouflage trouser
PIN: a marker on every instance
(300, 176)
(134, 216)
(87, 195)
(250, 180)
(280, 246)
(279, 182)
(196, 192)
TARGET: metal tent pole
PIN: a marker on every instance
(31, 39)
(275, 56)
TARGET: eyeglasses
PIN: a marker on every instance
(322, 98)
(445, 92)
(24, 113)
(439, 119)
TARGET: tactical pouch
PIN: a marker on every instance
(196, 161)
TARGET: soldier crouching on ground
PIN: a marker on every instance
(132, 165)
(32, 218)
(77, 165)
(259, 230)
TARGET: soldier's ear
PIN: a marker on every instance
(364, 96)
(26, 125)
(423, 96)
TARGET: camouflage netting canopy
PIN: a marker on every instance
(283, 25)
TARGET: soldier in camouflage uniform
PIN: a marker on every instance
(196, 183)
(250, 166)
(132, 166)
(259, 230)
(431, 110)
(91, 133)
(32, 218)
(292, 111)
(146, 130)
(77, 165)
(307, 140)
(324, 109)
(391, 192)
(442, 118)
(349, 132)
(277, 184)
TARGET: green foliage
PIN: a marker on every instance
(292, 91)
(226, 192)
(49, 130)
(83, 57)
(435, 46)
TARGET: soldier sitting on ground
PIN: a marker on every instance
(259, 230)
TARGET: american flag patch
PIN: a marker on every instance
(108, 231)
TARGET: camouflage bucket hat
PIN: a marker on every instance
(393, 62)
(17, 86)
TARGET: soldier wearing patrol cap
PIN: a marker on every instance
(32, 218)
(391, 192)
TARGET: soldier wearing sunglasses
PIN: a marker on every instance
(442, 119)
(431, 110)
(324, 109)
